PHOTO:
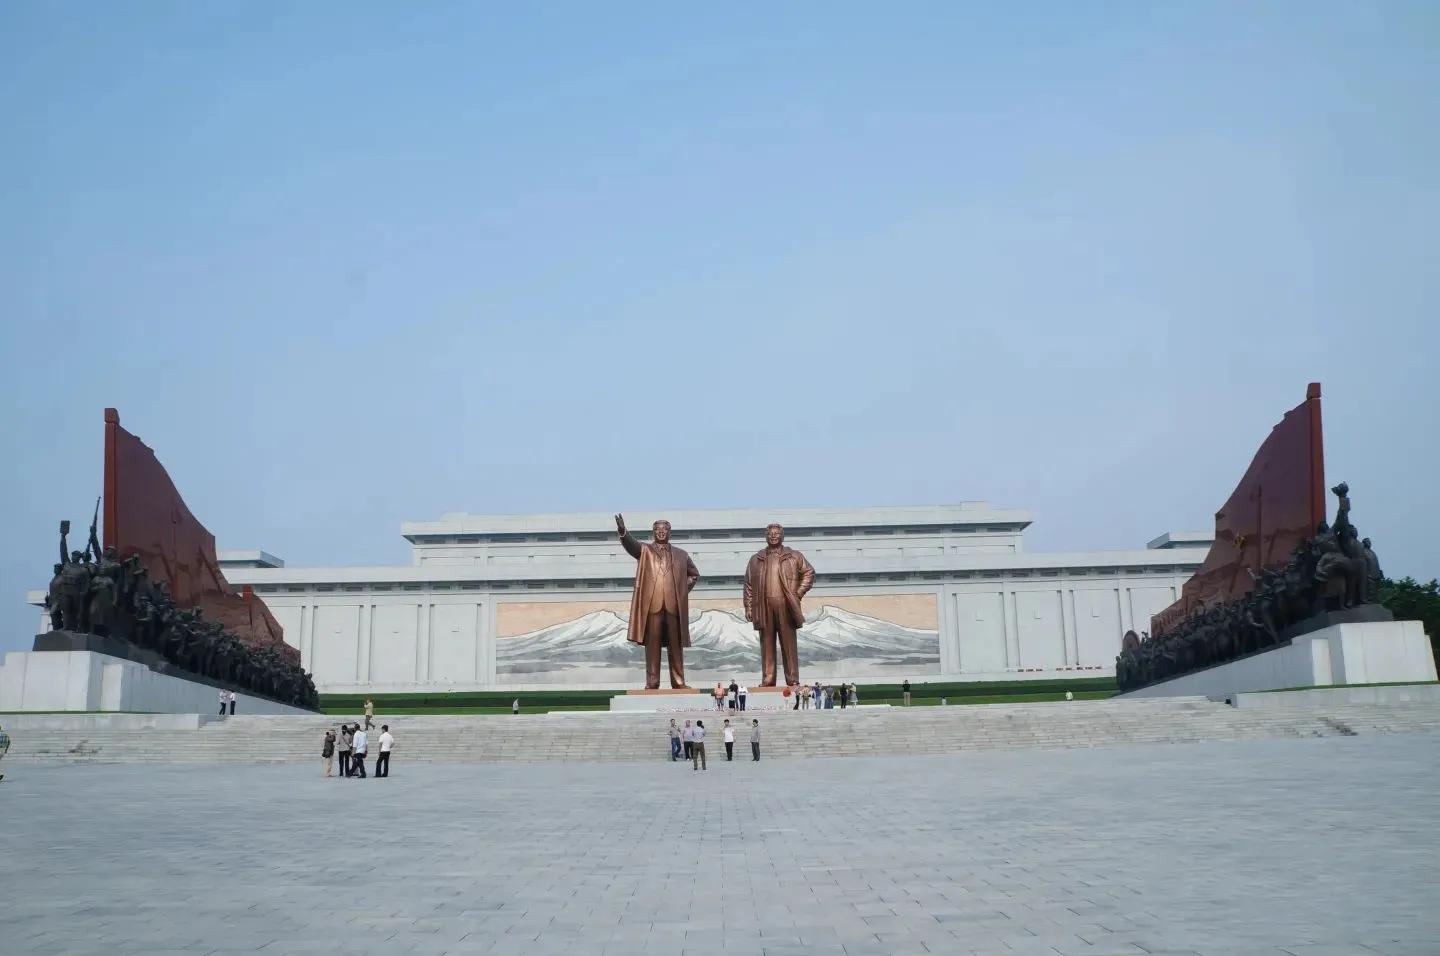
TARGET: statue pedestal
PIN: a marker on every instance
(698, 702)
(1386, 652)
(91, 681)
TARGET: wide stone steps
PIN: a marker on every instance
(787, 735)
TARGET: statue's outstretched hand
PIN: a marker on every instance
(620, 524)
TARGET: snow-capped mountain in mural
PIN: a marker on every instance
(720, 640)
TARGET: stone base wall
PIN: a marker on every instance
(1377, 653)
(84, 681)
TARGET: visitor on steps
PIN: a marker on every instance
(222, 703)
(387, 744)
(854, 695)
(346, 745)
(357, 759)
(744, 692)
(755, 740)
(515, 707)
(232, 703)
(327, 751)
(687, 736)
(674, 741)
(734, 694)
(729, 735)
(697, 738)
(817, 695)
(719, 694)
(905, 690)
(369, 714)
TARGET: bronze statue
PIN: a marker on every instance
(70, 589)
(776, 580)
(660, 605)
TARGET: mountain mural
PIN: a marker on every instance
(722, 642)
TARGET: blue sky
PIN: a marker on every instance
(346, 265)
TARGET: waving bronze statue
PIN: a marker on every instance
(660, 606)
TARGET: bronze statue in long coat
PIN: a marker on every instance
(660, 604)
(776, 580)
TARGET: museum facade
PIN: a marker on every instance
(529, 602)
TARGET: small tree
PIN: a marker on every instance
(1409, 600)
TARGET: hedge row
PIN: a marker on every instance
(551, 699)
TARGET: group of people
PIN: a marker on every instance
(352, 742)
(825, 696)
(734, 695)
(690, 741)
(227, 702)
(799, 697)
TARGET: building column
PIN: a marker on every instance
(1012, 626)
(424, 643)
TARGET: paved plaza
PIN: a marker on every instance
(1307, 847)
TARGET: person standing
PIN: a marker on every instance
(754, 740)
(777, 579)
(346, 744)
(232, 703)
(327, 750)
(357, 758)
(515, 707)
(844, 695)
(734, 690)
(744, 692)
(687, 736)
(387, 744)
(674, 741)
(369, 715)
(222, 703)
(729, 736)
(905, 689)
(854, 694)
(698, 738)
(719, 694)
(816, 694)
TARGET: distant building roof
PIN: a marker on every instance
(1171, 540)
(248, 559)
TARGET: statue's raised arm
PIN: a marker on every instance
(627, 540)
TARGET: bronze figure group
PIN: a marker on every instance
(96, 592)
(776, 581)
(1334, 570)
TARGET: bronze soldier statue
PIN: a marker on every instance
(660, 606)
(776, 580)
(70, 590)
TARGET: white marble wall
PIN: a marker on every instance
(989, 630)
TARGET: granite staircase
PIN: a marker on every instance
(591, 736)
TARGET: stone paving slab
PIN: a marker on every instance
(1300, 847)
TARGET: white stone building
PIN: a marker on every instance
(539, 601)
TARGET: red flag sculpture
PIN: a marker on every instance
(145, 516)
(1277, 505)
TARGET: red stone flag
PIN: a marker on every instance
(145, 516)
(1277, 505)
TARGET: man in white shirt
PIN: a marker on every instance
(744, 692)
(697, 741)
(729, 735)
(357, 758)
(387, 743)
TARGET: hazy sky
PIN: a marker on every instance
(347, 265)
